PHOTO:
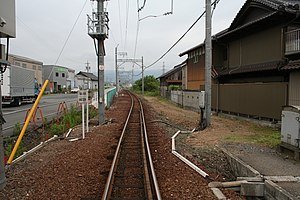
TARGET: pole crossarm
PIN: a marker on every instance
(132, 60)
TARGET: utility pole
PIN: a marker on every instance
(88, 68)
(143, 76)
(7, 30)
(117, 79)
(208, 63)
(164, 68)
(98, 30)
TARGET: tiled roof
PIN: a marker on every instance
(294, 64)
(89, 75)
(253, 68)
(290, 6)
(175, 69)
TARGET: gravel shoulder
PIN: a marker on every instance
(203, 146)
(78, 170)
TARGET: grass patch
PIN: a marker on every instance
(261, 135)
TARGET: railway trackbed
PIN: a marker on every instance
(132, 173)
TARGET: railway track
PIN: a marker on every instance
(132, 173)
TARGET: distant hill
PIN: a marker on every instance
(110, 75)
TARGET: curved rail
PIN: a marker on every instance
(113, 166)
(149, 152)
(149, 168)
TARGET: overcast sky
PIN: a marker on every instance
(43, 27)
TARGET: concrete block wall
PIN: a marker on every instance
(273, 191)
(187, 99)
(191, 100)
(176, 97)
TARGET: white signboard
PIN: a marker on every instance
(83, 96)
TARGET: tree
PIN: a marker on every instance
(151, 84)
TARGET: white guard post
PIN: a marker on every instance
(83, 99)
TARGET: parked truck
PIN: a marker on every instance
(19, 86)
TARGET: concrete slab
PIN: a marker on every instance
(293, 188)
(252, 189)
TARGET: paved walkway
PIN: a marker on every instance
(269, 163)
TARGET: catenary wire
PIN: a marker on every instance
(68, 38)
(214, 3)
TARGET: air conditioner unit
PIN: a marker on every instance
(290, 125)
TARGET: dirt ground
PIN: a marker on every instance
(78, 170)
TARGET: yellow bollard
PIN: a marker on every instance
(11, 157)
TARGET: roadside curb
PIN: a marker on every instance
(271, 190)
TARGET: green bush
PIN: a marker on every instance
(151, 85)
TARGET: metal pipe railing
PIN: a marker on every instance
(292, 41)
(12, 155)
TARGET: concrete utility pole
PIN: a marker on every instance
(7, 30)
(164, 68)
(208, 63)
(98, 30)
(143, 85)
(117, 78)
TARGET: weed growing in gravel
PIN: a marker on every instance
(261, 135)
(17, 129)
(72, 118)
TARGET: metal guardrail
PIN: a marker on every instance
(23, 110)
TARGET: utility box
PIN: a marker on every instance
(290, 125)
(7, 19)
(202, 99)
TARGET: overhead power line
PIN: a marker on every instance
(70, 32)
(214, 4)
(141, 8)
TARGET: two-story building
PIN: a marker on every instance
(28, 63)
(86, 80)
(171, 78)
(57, 76)
(256, 61)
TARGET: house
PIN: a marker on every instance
(28, 63)
(256, 61)
(71, 79)
(172, 78)
(86, 80)
(57, 76)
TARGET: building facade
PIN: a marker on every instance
(28, 63)
(57, 76)
(85, 80)
(71, 79)
(255, 62)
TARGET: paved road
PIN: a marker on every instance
(48, 104)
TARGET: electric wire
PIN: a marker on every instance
(120, 22)
(126, 24)
(215, 2)
(141, 8)
(37, 37)
(68, 38)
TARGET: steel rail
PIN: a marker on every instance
(151, 172)
(157, 191)
(113, 166)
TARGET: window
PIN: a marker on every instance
(56, 74)
(34, 67)
(17, 64)
(40, 67)
(24, 65)
(63, 74)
